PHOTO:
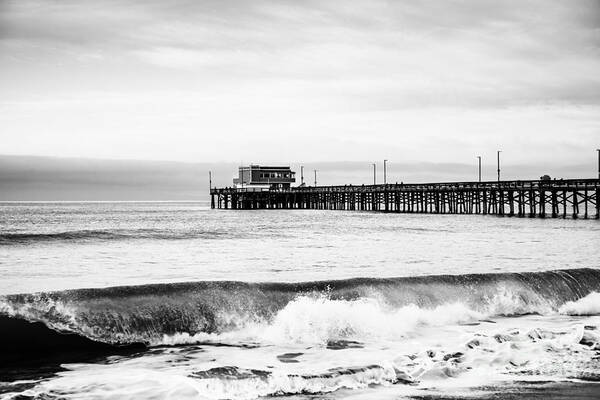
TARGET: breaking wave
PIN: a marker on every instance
(335, 323)
(323, 312)
(589, 305)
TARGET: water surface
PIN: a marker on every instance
(174, 300)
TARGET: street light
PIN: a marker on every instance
(499, 151)
(301, 175)
(598, 150)
(209, 180)
(315, 177)
(374, 173)
(384, 172)
(479, 157)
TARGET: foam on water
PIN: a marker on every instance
(589, 305)
(320, 320)
(525, 348)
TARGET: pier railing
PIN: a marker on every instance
(557, 197)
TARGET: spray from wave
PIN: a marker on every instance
(588, 305)
(311, 312)
(319, 320)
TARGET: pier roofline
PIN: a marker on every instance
(539, 197)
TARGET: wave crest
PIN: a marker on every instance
(302, 312)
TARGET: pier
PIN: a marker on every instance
(576, 198)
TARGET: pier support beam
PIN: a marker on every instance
(500, 198)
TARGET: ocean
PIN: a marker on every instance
(173, 300)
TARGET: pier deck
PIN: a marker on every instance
(522, 198)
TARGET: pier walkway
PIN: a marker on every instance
(529, 198)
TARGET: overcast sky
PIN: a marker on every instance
(301, 81)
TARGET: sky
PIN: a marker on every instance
(265, 81)
(37, 178)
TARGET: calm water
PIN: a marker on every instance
(63, 246)
(266, 334)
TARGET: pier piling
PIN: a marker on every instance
(531, 198)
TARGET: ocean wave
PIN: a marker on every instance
(22, 238)
(251, 384)
(309, 312)
(321, 320)
(588, 305)
(563, 353)
(23, 341)
(310, 320)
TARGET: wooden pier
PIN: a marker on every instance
(576, 198)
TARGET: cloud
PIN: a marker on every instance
(479, 52)
(26, 178)
(164, 79)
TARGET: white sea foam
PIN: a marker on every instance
(281, 383)
(588, 305)
(144, 383)
(318, 320)
(475, 355)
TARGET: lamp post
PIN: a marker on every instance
(209, 180)
(479, 157)
(385, 172)
(374, 173)
(498, 153)
(315, 177)
(302, 175)
(598, 150)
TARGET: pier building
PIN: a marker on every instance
(260, 177)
